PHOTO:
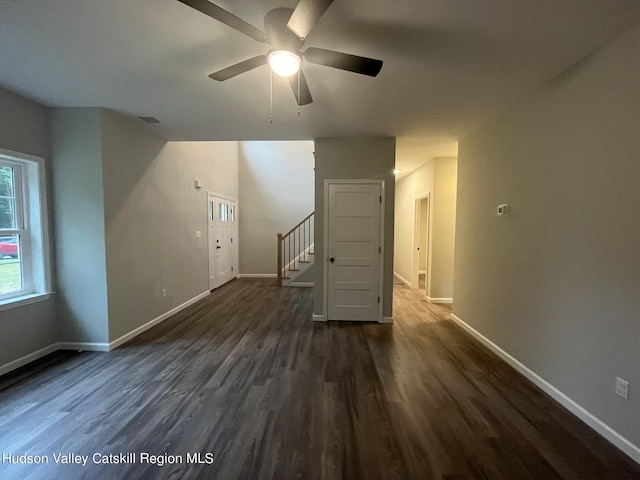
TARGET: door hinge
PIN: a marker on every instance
(380, 198)
(232, 269)
(378, 299)
(232, 240)
(379, 249)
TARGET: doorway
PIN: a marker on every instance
(421, 266)
(222, 239)
(353, 266)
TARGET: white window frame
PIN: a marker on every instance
(32, 226)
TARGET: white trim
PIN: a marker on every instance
(415, 257)
(84, 346)
(258, 275)
(16, 302)
(402, 279)
(381, 262)
(301, 284)
(31, 357)
(134, 333)
(386, 320)
(307, 251)
(439, 300)
(318, 318)
(95, 346)
(591, 420)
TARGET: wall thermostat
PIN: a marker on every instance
(503, 210)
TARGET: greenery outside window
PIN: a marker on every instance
(23, 236)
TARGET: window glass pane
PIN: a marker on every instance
(10, 264)
(6, 181)
(7, 213)
(223, 212)
(211, 212)
(7, 198)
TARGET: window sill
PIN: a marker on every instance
(16, 302)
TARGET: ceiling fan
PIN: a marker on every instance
(286, 31)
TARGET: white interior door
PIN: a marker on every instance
(353, 251)
(223, 233)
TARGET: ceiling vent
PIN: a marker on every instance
(149, 120)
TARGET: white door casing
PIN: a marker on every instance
(421, 227)
(354, 250)
(222, 239)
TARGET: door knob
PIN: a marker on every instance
(218, 246)
(332, 259)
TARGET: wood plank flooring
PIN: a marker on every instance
(247, 376)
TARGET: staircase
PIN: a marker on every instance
(295, 251)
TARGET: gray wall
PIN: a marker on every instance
(555, 284)
(24, 128)
(276, 192)
(355, 158)
(79, 224)
(152, 213)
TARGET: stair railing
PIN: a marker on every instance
(295, 247)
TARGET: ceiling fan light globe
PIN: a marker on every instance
(284, 63)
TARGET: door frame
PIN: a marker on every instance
(325, 233)
(415, 258)
(236, 256)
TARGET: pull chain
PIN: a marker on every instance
(271, 99)
(298, 92)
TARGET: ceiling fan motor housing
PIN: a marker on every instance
(278, 34)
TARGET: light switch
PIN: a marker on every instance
(198, 234)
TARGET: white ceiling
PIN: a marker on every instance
(448, 64)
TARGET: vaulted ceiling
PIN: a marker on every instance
(449, 65)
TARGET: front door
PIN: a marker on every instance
(353, 251)
(222, 240)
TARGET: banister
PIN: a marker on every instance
(299, 224)
(291, 256)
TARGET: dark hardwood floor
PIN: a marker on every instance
(247, 376)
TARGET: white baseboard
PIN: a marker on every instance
(95, 346)
(402, 279)
(152, 323)
(386, 320)
(318, 318)
(31, 357)
(301, 284)
(84, 346)
(258, 275)
(591, 420)
(439, 300)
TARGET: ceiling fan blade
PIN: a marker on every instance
(227, 18)
(306, 15)
(305, 95)
(238, 68)
(343, 61)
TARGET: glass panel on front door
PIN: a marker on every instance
(223, 213)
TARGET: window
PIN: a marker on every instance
(23, 242)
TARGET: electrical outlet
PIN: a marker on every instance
(198, 234)
(164, 293)
(622, 388)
